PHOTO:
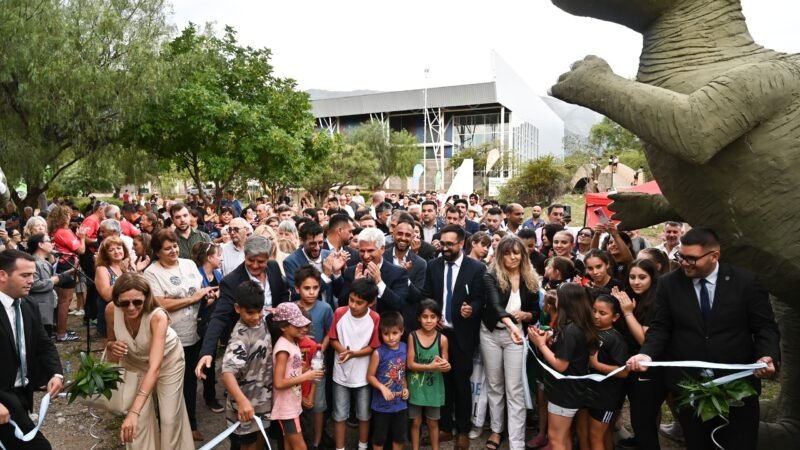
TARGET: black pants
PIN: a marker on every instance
(17, 404)
(457, 388)
(646, 392)
(191, 355)
(740, 434)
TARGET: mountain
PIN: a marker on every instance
(577, 119)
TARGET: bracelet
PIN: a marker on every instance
(142, 393)
(628, 314)
(135, 412)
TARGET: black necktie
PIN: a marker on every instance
(705, 301)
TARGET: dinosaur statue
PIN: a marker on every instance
(720, 116)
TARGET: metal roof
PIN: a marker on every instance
(439, 97)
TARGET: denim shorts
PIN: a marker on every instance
(341, 402)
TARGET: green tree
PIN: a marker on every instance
(612, 138)
(396, 152)
(71, 74)
(346, 164)
(227, 118)
(540, 180)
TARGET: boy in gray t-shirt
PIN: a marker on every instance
(247, 368)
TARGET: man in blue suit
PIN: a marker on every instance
(309, 253)
(399, 253)
(392, 280)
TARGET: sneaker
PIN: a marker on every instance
(72, 312)
(537, 441)
(215, 406)
(67, 337)
(475, 432)
(79, 313)
(672, 431)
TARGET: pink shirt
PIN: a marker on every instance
(288, 403)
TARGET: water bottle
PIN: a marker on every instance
(68, 368)
(317, 362)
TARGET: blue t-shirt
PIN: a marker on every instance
(391, 373)
(321, 318)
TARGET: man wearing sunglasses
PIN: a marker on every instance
(233, 251)
(714, 312)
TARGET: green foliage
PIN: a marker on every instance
(345, 164)
(710, 401)
(612, 138)
(94, 377)
(479, 156)
(396, 152)
(71, 74)
(538, 180)
(227, 117)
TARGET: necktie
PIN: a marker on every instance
(705, 302)
(22, 363)
(448, 315)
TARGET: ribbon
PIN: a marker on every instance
(228, 431)
(26, 437)
(745, 370)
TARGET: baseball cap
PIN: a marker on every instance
(291, 313)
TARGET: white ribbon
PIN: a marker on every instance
(228, 431)
(745, 370)
(30, 435)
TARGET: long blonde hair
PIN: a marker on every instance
(508, 244)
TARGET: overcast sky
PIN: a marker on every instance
(386, 45)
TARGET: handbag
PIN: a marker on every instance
(121, 398)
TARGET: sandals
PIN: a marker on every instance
(494, 445)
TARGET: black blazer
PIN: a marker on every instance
(395, 296)
(741, 327)
(426, 251)
(471, 226)
(418, 265)
(224, 317)
(355, 258)
(41, 357)
(471, 273)
(494, 308)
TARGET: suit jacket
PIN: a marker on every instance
(224, 316)
(471, 226)
(740, 328)
(426, 251)
(418, 266)
(41, 358)
(494, 308)
(471, 273)
(355, 258)
(297, 260)
(395, 296)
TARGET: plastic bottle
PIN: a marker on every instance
(68, 368)
(318, 362)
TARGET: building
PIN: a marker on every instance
(504, 112)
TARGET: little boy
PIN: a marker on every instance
(307, 282)
(387, 374)
(247, 368)
(353, 336)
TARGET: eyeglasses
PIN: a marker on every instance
(126, 303)
(233, 229)
(585, 235)
(691, 260)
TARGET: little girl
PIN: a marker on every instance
(288, 373)
(427, 360)
(573, 339)
(547, 317)
(604, 399)
(599, 270)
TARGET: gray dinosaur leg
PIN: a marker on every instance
(638, 210)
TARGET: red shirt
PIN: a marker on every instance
(307, 349)
(91, 224)
(65, 241)
(128, 229)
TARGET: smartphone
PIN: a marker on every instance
(2, 224)
(601, 214)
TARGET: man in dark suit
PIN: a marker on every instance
(715, 312)
(20, 318)
(392, 280)
(311, 253)
(256, 267)
(458, 284)
(400, 254)
(340, 232)
(431, 222)
(452, 216)
(471, 226)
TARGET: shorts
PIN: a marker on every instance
(601, 415)
(341, 402)
(552, 408)
(320, 405)
(431, 412)
(62, 267)
(389, 427)
(290, 426)
(249, 438)
(80, 286)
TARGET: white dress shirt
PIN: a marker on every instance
(265, 285)
(232, 257)
(711, 286)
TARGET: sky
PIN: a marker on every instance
(387, 45)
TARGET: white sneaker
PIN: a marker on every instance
(79, 313)
(672, 431)
(475, 432)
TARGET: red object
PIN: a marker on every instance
(601, 200)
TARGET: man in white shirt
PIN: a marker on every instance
(672, 243)
(233, 251)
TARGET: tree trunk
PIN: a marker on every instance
(780, 424)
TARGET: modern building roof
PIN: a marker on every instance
(438, 97)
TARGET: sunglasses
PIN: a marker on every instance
(126, 303)
(585, 234)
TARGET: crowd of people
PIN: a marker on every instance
(376, 312)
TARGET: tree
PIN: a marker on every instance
(612, 138)
(227, 118)
(346, 164)
(396, 152)
(71, 74)
(538, 181)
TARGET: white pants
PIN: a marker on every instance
(502, 363)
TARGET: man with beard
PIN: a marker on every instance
(383, 211)
(233, 251)
(392, 280)
(187, 237)
(431, 222)
(515, 215)
(399, 253)
(672, 235)
(340, 232)
(458, 284)
(470, 225)
(536, 220)
(493, 220)
(311, 253)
